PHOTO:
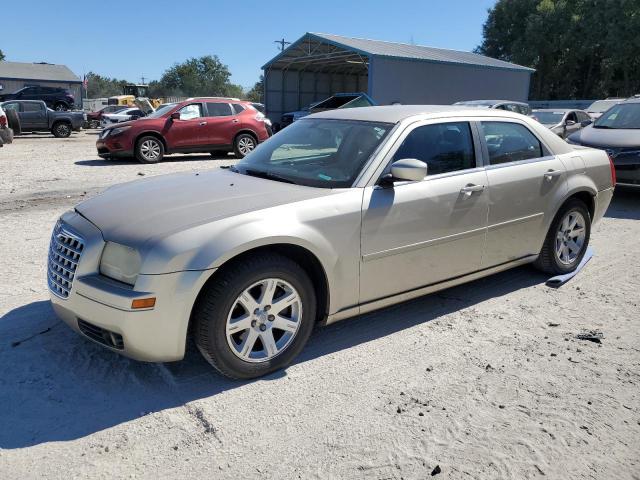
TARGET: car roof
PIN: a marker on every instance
(218, 99)
(490, 102)
(398, 113)
(557, 110)
(632, 100)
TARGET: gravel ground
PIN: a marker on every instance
(481, 381)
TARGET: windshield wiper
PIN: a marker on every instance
(267, 175)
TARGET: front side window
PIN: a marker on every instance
(510, 142)
(218, 109)
(32, 107)
(189, 112)
(316, 152)
(444, 147)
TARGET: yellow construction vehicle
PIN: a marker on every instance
(131, 92)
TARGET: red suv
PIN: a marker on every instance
(196, 125)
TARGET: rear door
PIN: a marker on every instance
(525, 183)
(222, 124)
(187, 131)
(418, 233)
(34, 115)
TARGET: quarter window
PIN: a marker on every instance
(219, 109)
(238, 108)
(189, 112)
(510, 142)
(444, 147)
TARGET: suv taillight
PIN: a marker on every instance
(3, 121)
(613, 171)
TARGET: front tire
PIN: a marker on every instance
(567, 239)
(244, 144)
(149, 149)
(61, 130)
(255, 317)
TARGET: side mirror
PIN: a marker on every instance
(569, 123)
(175, 116)
(586, 123)
(407, 170)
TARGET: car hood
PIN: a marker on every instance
(605, 137)
(149, 209)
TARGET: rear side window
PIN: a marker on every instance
(31, 107)
(510, 142)
(11, 106)
(219, 109)
(444, 147)
(237, 108)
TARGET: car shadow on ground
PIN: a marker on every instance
(96, 162)
(56, 385)
(625, 203)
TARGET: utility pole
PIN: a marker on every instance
(142, 78)
(282, 44)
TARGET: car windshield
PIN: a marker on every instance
(548, 118)
(622, 116)
(316, 152)
(161, 110)
(601, 105)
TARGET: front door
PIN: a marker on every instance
(187, 131)
(525, 182)
(416, 234)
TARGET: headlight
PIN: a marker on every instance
(120, 262)
(119, 130)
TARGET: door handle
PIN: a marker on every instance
(551, 174)
(203, 123)
(471, 189)
(235, 120)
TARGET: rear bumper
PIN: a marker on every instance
(628, 174)
(602, 201)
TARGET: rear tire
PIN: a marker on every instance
(149, 149)
(244, 144)
(13, 121)
(61, 130)
(567, 239)
(236, 349)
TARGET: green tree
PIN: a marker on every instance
(256, 94)
(579, 48)
(1, 56)
(197, 77)
(99, 86)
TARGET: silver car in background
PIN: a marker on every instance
(341, 213)
(562, 122)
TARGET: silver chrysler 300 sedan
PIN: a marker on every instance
(341, 213)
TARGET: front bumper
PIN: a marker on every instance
(118, 146)
(100, 308)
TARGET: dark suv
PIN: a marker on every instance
(197, 125)
(56, 98)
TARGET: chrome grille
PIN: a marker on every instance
(64, 254)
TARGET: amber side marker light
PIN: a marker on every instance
(143, 303)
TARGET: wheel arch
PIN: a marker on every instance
(245, 130)
(299, 254)
(150, 133)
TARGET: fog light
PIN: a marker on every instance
(143, 303)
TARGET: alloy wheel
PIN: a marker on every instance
(570, 237)
(264, 320)
(246, 144)
(150, 150)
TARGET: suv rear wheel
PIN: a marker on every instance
(61, 130)
(256, 316)
(149, 149)
(244, 144)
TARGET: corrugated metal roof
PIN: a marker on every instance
(37, 71)
(379, 48)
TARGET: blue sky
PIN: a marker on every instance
(128, 39)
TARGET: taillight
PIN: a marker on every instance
(3, 121)
(259, 117)
(613, 171)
